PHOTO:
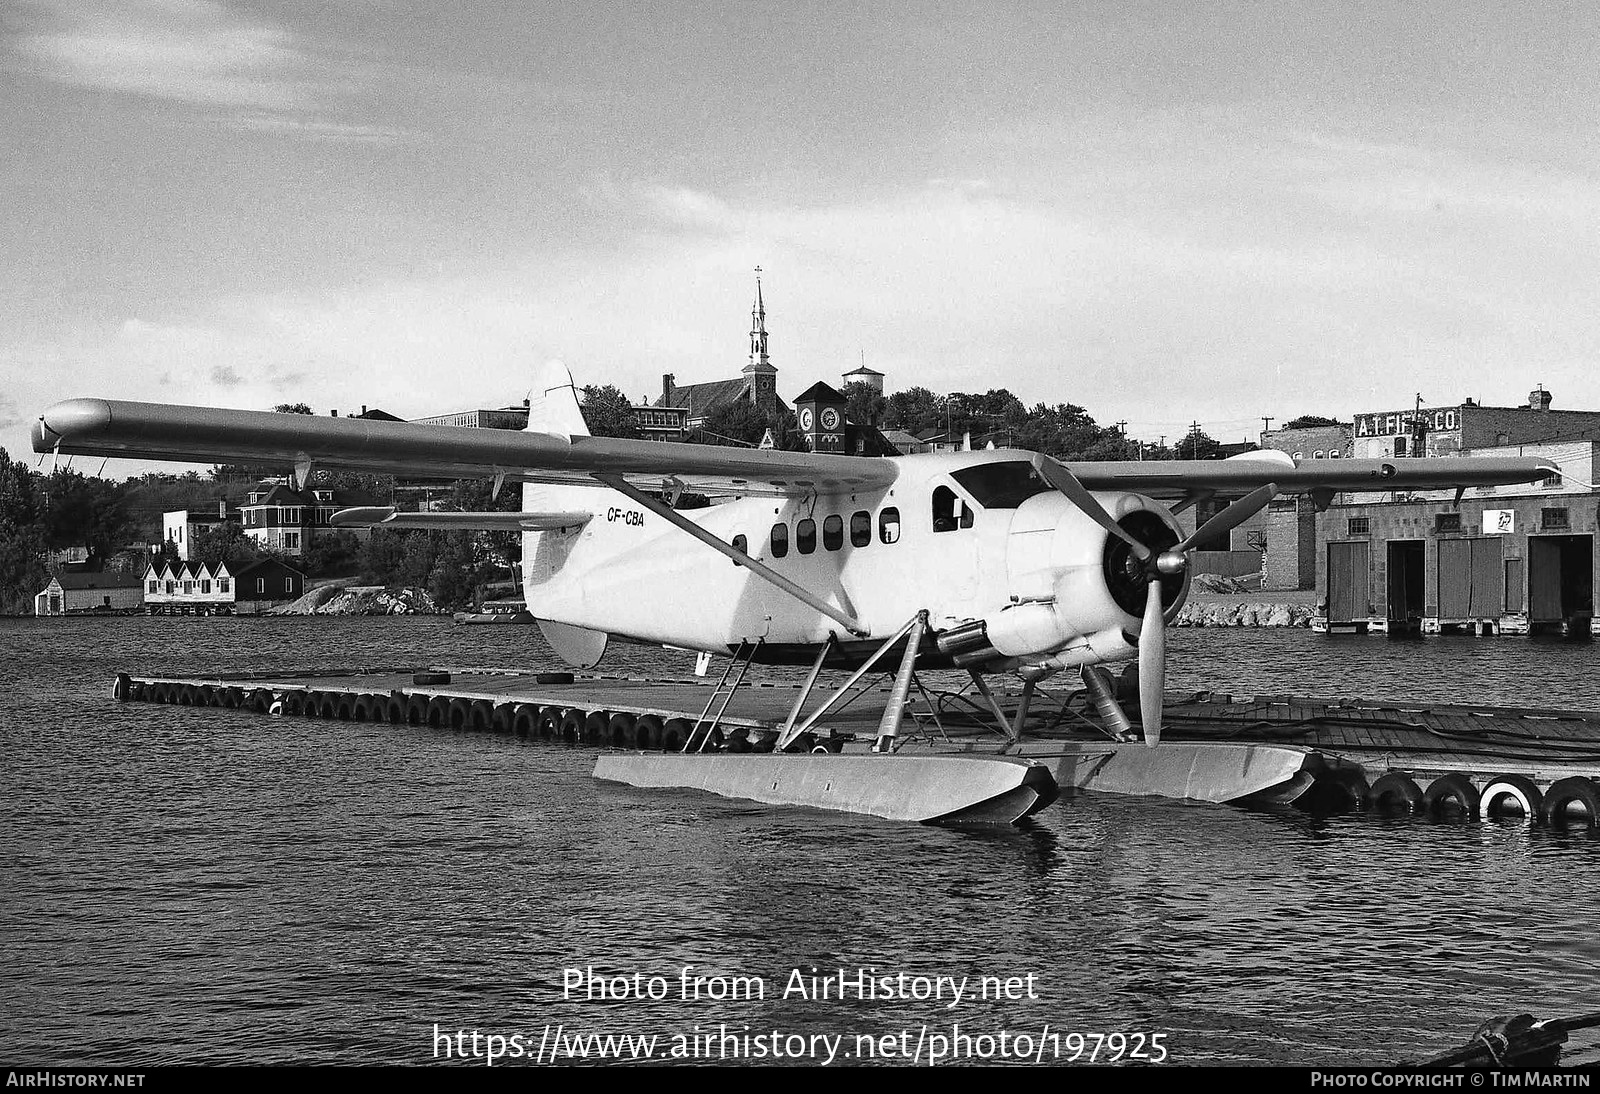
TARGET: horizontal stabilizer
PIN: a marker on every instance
(381, 516)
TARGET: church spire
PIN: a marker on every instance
(761, 378)
(758, 330)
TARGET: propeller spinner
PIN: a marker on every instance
(1150, 564)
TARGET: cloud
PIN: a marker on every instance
(226, 376)
(191, 51)
(255, 74)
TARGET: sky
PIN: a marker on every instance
(1165, 212)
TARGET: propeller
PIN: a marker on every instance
(1168, 563)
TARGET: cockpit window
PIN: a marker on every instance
(949, 511)
(1001, 485)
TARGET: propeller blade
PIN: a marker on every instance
(1152, 664)
(1059, 476)
(1231, 517)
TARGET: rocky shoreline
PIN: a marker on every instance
(361, 600)
(1204, 614)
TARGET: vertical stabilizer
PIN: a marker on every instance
(553, 406)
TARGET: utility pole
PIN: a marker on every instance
(1122, 427)
(1266, 424)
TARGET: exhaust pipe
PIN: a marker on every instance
(967, 636)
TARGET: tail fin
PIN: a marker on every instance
(553, 406)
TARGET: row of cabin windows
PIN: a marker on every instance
(833, 533)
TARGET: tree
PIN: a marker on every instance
(743, 423)
(1197, 446)
(608, 412)
(866, 404)
(913, 410)
(1309, 421)
(292, 408)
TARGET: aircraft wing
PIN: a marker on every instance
(190, 434)
(1175, 479)
(386, 516)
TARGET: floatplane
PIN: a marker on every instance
(1001, 563)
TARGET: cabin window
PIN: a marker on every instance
(780, 540)
(889, 525)
(1399, 446)
(172, 587)
(949, 512)
(805, 536)
(833, 533)
(740, 544)
(860, 528)
(291, 540)
(222, 585)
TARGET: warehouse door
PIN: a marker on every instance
(1405, 580)
(1560, 578)
(1349, 582)
(1471, 578)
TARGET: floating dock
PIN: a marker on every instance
(1471, 761)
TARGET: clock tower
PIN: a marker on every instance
(820, 415)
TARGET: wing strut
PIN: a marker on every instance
(682, 523)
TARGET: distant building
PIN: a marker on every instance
(285, 520)
(178, 526)
(1293, 531)
(507, 417)
(757, 383)
(823, 416)
(69, 594)
(197, 588)
(864, 375)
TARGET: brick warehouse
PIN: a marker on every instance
(1512, 560)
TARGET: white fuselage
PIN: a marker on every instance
(1033, 567)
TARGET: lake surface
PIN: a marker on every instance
(182, 885)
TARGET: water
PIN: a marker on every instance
(184, 885)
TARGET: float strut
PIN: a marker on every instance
(795, 731)
(895, 709)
